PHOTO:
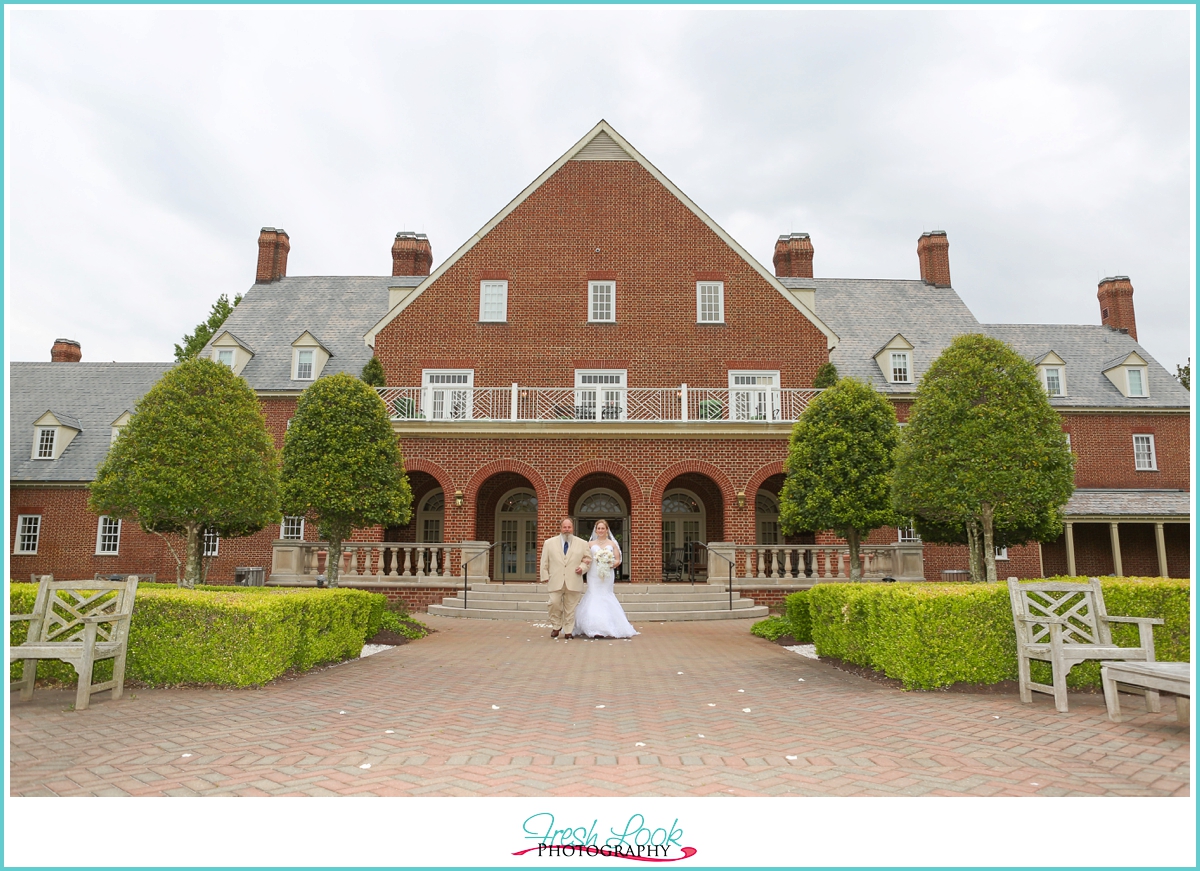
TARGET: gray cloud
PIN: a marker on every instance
(147, 146)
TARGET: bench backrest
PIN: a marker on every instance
(1080, 604)
(61, 606)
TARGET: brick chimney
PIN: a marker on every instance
(793, 256)
(273, 247)
(411, 254)
(1116, 304)
(933, 251)
(65, 351)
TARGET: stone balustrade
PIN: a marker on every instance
(383, 563)
(812, 563)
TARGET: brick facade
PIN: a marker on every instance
(1103, 447)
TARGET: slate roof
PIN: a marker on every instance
(337, 310)
(1111, 503)
(1087, 350)
(868, 313)
(94, 394)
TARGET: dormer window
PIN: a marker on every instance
(1137, 381)
(229, 350)
(309, 357)
(45, 443)
(304, 365)
(900, 367)
(1129, 375)
(123, 418)
(895, 361)
(225, 357)
(1054, 381)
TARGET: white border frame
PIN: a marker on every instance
(99, 530)
(17, 536)
(720, 302)
(592, 285)
(503, 319)
(1153, 452)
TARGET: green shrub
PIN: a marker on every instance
(772, 629)
(223, 635)
(932, 635)
(404, 625)
(796, 612)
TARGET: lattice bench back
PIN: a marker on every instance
(1080, 604)
(61, 606)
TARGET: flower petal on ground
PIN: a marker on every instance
(789, 757)
(365, 765)
(639, 744)
(495, 707)
(745, 710)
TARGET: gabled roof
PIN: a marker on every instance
(310, 334)
(602, 142)
(97, 393)
(227, 332)
(338, 308)
(1122, 359)
(62, 419)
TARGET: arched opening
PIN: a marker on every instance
(604, 497)
(423, 487)
(778, 551)
(431, 514)
(693, 514)
(513, 530)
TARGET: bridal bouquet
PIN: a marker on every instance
(605, 560)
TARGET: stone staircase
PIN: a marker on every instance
(650, 603)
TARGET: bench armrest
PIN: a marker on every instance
(1150, 621)
(102, 618)
(26, 617)
(1043, 620)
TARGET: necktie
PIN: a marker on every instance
(564, 547)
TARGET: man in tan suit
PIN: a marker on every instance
(565, 559)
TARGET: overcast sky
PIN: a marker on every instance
(146, 146)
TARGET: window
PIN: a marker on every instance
(602, 301)
(108, 536)
(225, 357)
(29, 527)
(212, 542)
(754, 395)
(1137, 381)
(907, 534)
(493, 300)
(1143, 453)
(600, 394)
(1002, 553)
(304, 365)
(446, 395)
(710, 302)
(1068, 435)
(45, 447)
(292, 529)
(1054, 381)
(900, 367)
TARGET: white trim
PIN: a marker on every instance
(37, 442)
(283, 524)
(594, 287)
(312, 364)
(1153, 467)
(37, 535)
(213, 537)
(424, 515)
(720, 318)
(1141, 371)
(830, 336)
(892, 367)
(100, 533)
(502, 285)
(1062, 379)
(1002, 553)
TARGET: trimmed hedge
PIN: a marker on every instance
(933, 635)
(772, 629)
(797, 613)
(228, 636)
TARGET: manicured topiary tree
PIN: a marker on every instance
(372, 373)
(195, 455)
(839, 466)
(826, 376)
(983, 452)
(341, 463)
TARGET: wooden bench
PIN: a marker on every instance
(77, 622)
(1167, 677)
(1064, 623)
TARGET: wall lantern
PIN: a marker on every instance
(458, 498)
(741, 498)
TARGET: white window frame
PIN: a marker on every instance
(1129, 381)
(907, 534)
(283, 527)
(447, 394)
(600, 394)
(38, 443)
(1061, 376)
(212, 543)
(312, 372)
(499, 286)
(1002, 553)
(100, 536)
(1069, 448)
(1153, 458)
(719, 318)
(892, 355)
(22, 532)
(221, 355)
(593, 288)
(754, 401)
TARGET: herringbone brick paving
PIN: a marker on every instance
(497, 708)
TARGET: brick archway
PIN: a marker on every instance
(592, 467)
(697, 466)
(430, 468)
(471, 491)
(762, 474)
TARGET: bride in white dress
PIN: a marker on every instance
(599, 614)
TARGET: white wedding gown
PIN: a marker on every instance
(598, 613)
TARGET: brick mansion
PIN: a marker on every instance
(602, 348)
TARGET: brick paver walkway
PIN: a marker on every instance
(497, 708)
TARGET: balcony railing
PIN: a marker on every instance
(641, 404)
(814, 563)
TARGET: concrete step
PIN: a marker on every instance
(476, 602)
(540, 595)
(754, 611)
(622, 589)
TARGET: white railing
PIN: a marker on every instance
(646, 404)
(813, 563)
(381, 562)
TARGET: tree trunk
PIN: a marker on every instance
(975, 551)
(191, 572)
(335, 560)
(852, 539)
(989, 548)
